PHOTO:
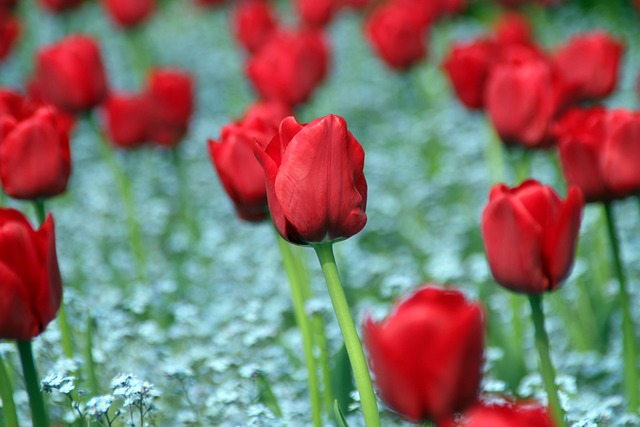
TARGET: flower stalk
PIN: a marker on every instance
(39, 415)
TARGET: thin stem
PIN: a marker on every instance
(288, 259)
(544, 360)
(6, 396)
(90, 368)
(41, 213)
(350, 335)
(36, 401)
(628, 329)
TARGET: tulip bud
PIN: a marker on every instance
(316, 13)
(530, 235)
(9, 32)
(524, 414)
(30, 282)
(127, 119)
(427, 355)
(59, 6)
(129, 13)
(316, 187)
(253, 23)
(513, 28)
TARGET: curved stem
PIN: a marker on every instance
(289, 261)
(6, 396)
(350, 335)
(544, 360)
(628, 329)
(36, 401)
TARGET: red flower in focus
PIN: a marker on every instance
(253, 23)
(170, 101)
(522, 414)
(427, 355)
(316, 187)
(316, 13)
(126, 118)
(30, 282)
(591, 63)
(129, 13)
(58, 6)
(289, 66)
(9, 32)
(240, 172)
(70, 75)
(397, 34)
(530, 235)
(600, 152)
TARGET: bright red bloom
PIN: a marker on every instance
(530, 235)
(9, 32)
(316, 187)
(30, 282)
(289, 66)
(398, 35)
(70, 74)
(253, 22)
(240, 172)
(524, 414)
(513, 28)
(427, 355)
(600, 152)
(127, 119)
(58, 6)
(591, 62)
(316, 13)
(170, 100)
(129, 13)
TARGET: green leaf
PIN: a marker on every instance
(342, 422)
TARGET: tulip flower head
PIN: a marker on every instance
(530, 235)
(523, 414)
(129, 13)
(9, 32)
(127, 119)
(253, 23)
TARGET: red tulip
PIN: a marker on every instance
(70, 74)
(170, 101)
(35, 159)
(240, 172)
(513, 28)
(468, 66)
(316, 13)
(427, 355)
(289, 66)
(8, 5)
(600, 152)
(9, 32)
(129, 13)
(398, 35)
(590, 62)
(209, 3)
(30, 282)
(355, 4)
(58, 6)
(530, 235)
(315, 181)
(253, 23)
(452, 7)
(127, 119)
(523, 414)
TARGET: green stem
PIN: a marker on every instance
(628, 329)
(6, 395)
(289, 261)
(90, 368)
(41, 212)
(544, 360)
(36, 401)
(349, 333)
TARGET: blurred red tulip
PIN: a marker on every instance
(70, 75)
(253, 22)
(530, 235)
(129, 13)
(427, 355)
(30, 282)
(523, 414)
(209, 3)
(8, 5)
(316, 13)
(127, 119)
(513, 28)
(316, 187)
(58, 6)
(9, 32)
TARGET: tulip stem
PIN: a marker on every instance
(544, 360)
(349, 333)
(6, 396)
(628, 330)
(302, 319)
(36, 401)
(90, 368)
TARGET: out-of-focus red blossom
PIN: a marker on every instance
(356, 4)
(316, 13)
(523, 96)
(126, 119)
(9, 32)
(425, 12)
(232, 155)
(514, 3)
(289, 66)
(8, 5)
(600, 152)
(58, 6)
(253, 22)
(427, 355)
(530, 235)
(316, 187)
(170, 101)
(398, 35)
(70, 75)
(452, 7)
(513, 28)
(209, 3)
(467, 66)
(591, 63)
(30, 282)
(35, 159)
(129, 13)
(523, 414)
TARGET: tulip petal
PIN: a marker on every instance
(621, 157)
(49, 297)
(580, 165)
(17, 320)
